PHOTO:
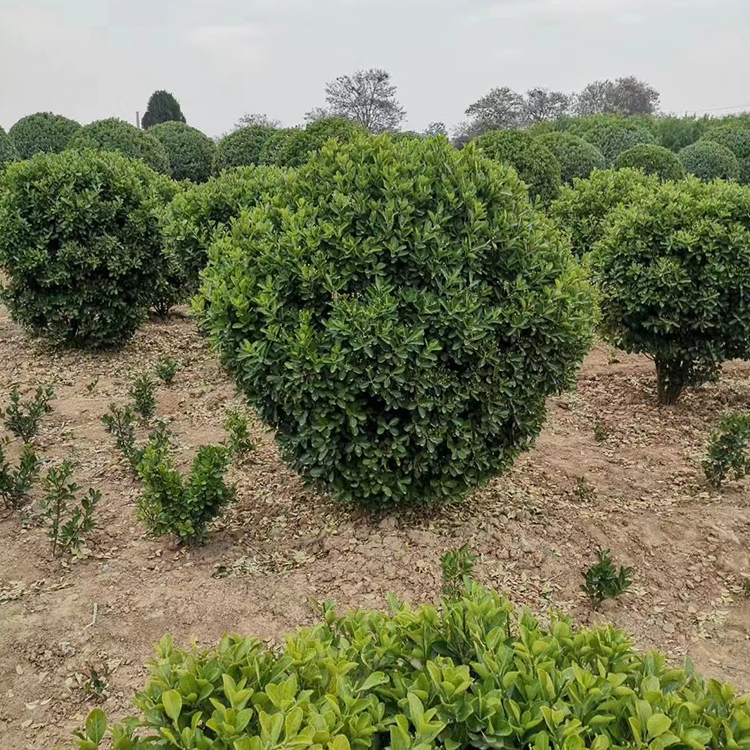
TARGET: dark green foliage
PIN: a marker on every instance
(675, 133)
(276, 143)
(398, 317)
(240, 442)
(242, 148)
(22, 418)
(651, 159)
(473, 673)
(126, 139)
(456, 566)
(8, 151)
(143, 393)
(296, 146)
(611, 134)
(604, 581)
(171, 504)
(166, 369)
(582, 209)
(80, 241)
(15, 484)
(577, 157)
(709, 160)
(162, 107)
(191, 153)
(69, 517)
(673, 271)
(727, 449)
(195, 216)
(43, 131)
(535, 164)
(737, 140)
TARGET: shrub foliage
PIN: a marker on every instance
(652, 159)
(43, 131)
(709, 160)
(399, 316)
(577, 157)
(535, 164)
(728, 449)
(737, 140)
(81, 244)
(674, 275)
(296, 146)
(118, 135)
(8, 151)
(242, 148)
(191, 153)
(612, 134)
(472, 674)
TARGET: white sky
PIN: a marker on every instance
(90, 59)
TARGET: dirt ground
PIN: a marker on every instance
(280, 545)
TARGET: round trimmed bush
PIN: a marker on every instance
(709, 160)
(126, 139)
(8, 151)
(675, 133)
(582, 210)
(577, 157)
(295, 146)
(611, 134)
(242, 148)
(535, 164)
(195, 216)
(652, 159)
(81, 245)
(674, 276)
(42, 132)
(399, 316)
(737, 140)
(191, 153)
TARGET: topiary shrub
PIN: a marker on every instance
(81, 245)
(398, 316)
(582, 210)
(674, 276)
(737, 140)
(577, 157)
(651, 159)
(43, 132)
(535, 164)
(709, 160)
(191, 153)
(242, 148)
(118, 135)
(8, 151)
(675, 133)
(474, 673)
(611, 134)
(194, 216)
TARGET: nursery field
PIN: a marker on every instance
(610, 470)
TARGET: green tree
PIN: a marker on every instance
(161, 107)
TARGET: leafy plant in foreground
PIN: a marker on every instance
(143, 393)
(166, 369)
(69, 518)
(22, 417)
(15, 484)
(456, 566)
(604, 581)
(727, 449)
(173, 504)
(120, 422)
(240, 442)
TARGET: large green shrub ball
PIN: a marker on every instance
(674, 275)
(195, 216)
(399, 315)
(611, 134)
(577, 157)
(709, 160)
(675, 133)
(126, 139)
(582, 210)
(81, 245)
(295, 147)
(8, 151)
(191, 153)
(535, 164)
(43, 131)
(652, 159)
(737, 140)
(242, 148)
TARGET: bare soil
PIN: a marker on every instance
(280, 545)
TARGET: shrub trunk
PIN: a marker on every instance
(671, 376)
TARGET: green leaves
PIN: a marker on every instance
(172, 703)
(727, 450)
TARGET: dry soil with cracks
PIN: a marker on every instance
(280, 545)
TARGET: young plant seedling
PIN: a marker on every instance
(143, 393)
(584, 490)
(166, 368)
(69, 518)
(121, 423)
(457, 566)
(22, 418)
(15, 484)
(240, 443)
(727, 449)
(604, 581)
(601, 432)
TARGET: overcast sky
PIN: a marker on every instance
(90, 59)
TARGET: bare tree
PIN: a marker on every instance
(257, 118)
(501, 109)
(542, 105)
(625, 96)
(367, 98)
(318, 113)
(435, 128)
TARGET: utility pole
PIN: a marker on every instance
(138, 120)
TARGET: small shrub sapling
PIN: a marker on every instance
(22, 418)
(143, 393)
(166, 369)
(239, 442)
(456, 565)
(604, 581)
(16, 483)
(120, 422)
(727, 450)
